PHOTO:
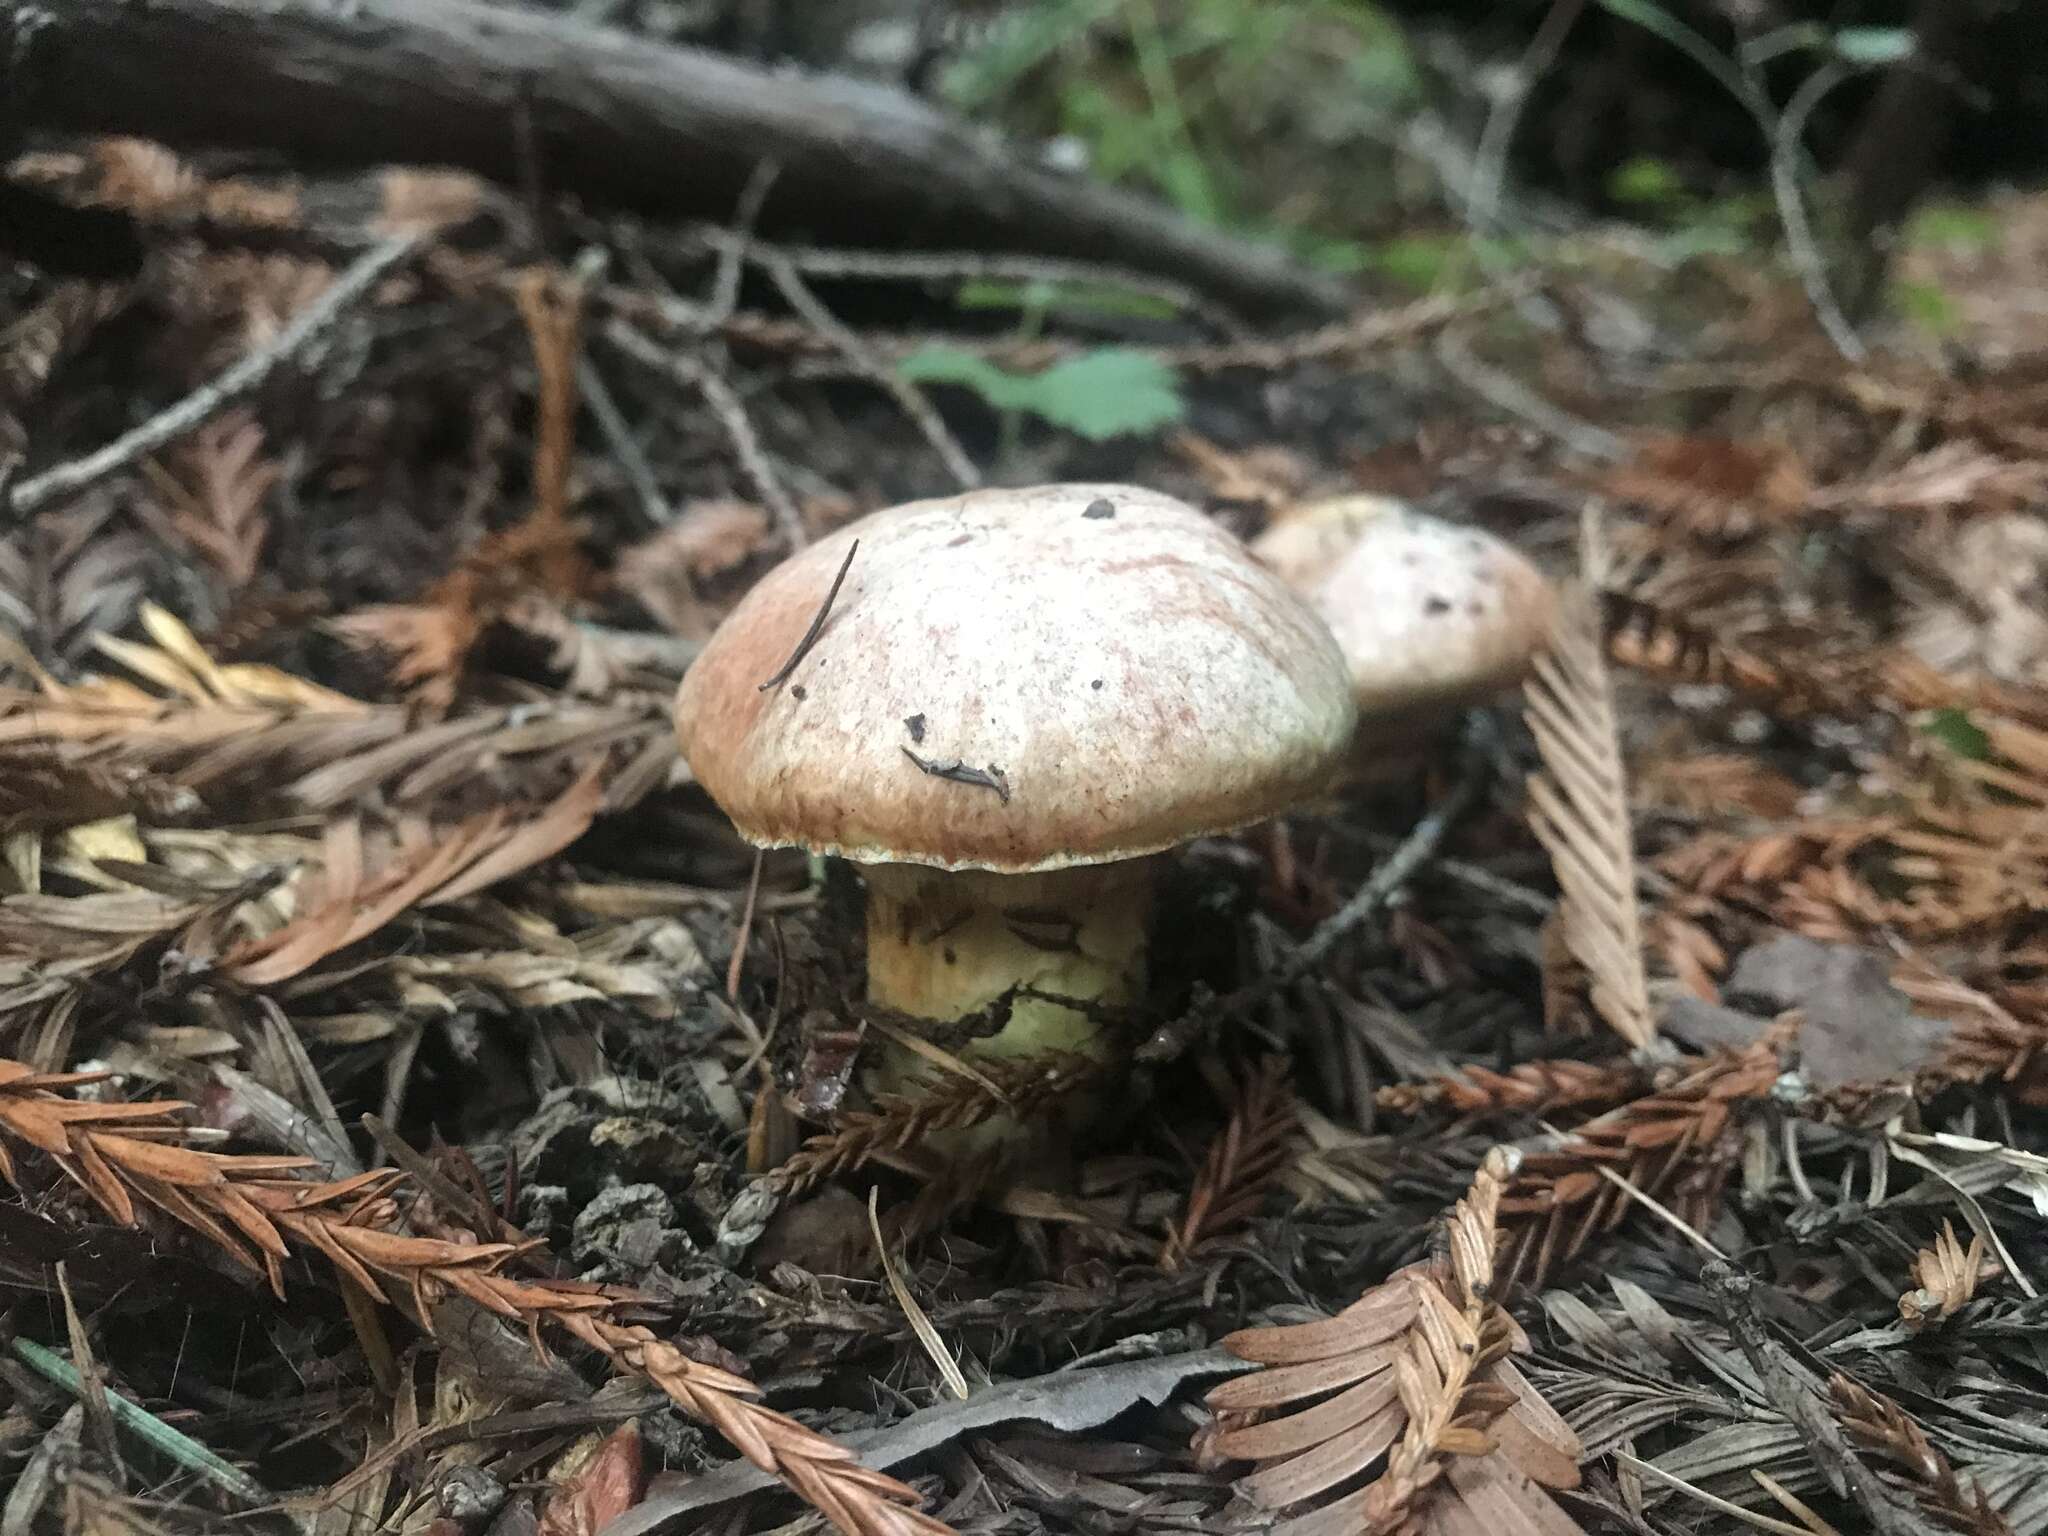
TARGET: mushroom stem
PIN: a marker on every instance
(945, 943)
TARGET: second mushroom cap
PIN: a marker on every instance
(1431, 615)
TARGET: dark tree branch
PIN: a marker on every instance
(617, 118)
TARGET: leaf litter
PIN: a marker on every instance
(363, 943)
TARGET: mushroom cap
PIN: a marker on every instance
(1429, 613)
(1100, 669)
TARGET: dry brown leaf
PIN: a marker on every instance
(669, 571)
(609, 1484)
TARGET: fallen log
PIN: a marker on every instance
(614, 118)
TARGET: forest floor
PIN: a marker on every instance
(365, 940)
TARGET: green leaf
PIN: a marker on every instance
(1929, 306)
(1872, 46)
(1647, 181)
(1110, 392)
(1060, 298)
(1953, 729)
(1970, 229)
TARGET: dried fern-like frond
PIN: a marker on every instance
(1579, 812)
(36, 342)
(1947, 873)
(253, 1209)
(1711, 487)
(1994, 1036)
(352, 903)
(1532, 1088)
(281, 744)
(1880, 1426)
(1244, 1160)
(899, 1121)
(1676, 1144)
(429, 641)
(217, 482)
(1649, 637)
(1944, 1277)
(1646, 636)
(1413, 1377)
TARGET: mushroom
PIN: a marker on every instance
(1002, 705)
(1432, 616)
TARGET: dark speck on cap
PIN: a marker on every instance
(798, 693)
(1100, 508)
(1436, 605)
(915, 725)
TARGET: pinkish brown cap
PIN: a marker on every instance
(1016, 680)
(1429, 614)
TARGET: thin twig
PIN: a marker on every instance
(890, 380)
(725, 283)
(1806, 255)
(1658, 1208)
(1171, 1040)
(1750, 1517)
(633, 462)
(1482, 207)
(803, 646)
(746, 928)
(1509, 394)
(241, 379)
(731, 412)
(1734, 1297)
(1490, 160)
(968, 266)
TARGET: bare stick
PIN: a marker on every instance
(1734, 1296)
(633, 462)
(986, 266)
(1173, 1038)
(1512, 396)
(731, 412)
(905, 393)
(624, 120)
(243, 378)
(1799, 241)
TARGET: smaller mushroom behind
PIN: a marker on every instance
(1431, 616)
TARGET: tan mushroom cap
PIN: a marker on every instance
(1101, 670)
(1428, 613)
